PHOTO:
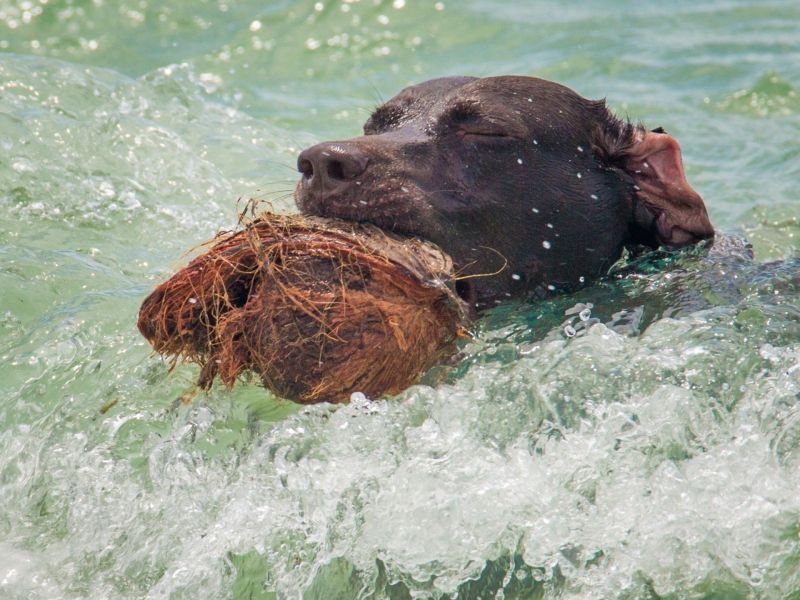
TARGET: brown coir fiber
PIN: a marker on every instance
(317, 308)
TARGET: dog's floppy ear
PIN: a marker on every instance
(668, 210)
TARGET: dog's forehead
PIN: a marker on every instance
(429, 95)
(524, 94)
(500, 92)
(527, 105)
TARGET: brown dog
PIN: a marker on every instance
(520, 180)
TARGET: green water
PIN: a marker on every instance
(656, 454)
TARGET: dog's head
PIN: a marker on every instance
(519, 179)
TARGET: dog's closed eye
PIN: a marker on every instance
(466, 120)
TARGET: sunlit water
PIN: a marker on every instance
(646, 447)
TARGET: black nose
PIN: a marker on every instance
(331, 163)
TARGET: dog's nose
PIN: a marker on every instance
(331, 163)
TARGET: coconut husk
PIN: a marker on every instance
(317, 308)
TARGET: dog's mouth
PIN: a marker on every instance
(394, 207)
(390, 205)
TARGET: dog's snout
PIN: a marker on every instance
(331, 163)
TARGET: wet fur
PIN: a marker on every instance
(530, 187)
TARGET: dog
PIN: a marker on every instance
(531, 188)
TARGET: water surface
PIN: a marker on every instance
(656, 453)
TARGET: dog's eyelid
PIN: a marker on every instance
(494, 126)
(460, 112)
(384, 117)
(489, 134)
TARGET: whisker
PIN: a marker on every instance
(278, 163)
(275, 181)
(377, 92)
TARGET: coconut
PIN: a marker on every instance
(316, 308)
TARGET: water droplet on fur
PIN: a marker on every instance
(519, 161)
(579, 175)
(549, 225)
(515, 276)
(192, 300)
(536, 210)
(593, 197)
(547, 245)
(580, 148)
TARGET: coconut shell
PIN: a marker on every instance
(317, 308)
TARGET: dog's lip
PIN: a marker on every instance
(397, 219)
(361, 201)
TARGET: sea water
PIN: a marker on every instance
(649, 448)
